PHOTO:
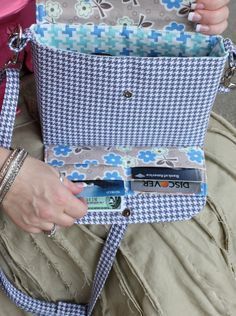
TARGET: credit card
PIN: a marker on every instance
(167, 187)
(102, 188)
(109, 203)
(173, 174)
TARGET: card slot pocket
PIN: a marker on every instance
(122, 182)
(115, 165)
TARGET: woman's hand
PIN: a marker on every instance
(37, 199)
(210, 15)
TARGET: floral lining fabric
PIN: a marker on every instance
(155, 14)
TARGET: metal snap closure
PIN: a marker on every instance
(128, 94)
(126, 212)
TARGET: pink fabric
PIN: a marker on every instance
(12, 13)
(8, 8)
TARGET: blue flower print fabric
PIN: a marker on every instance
(157, 14)
(172, 4)
(115, 163)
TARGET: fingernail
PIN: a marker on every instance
(197, 6)
(194, 17)
(202, 28)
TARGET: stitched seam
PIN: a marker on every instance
(16, 265)
(85, 271)
(225, 223)
(125, 287)
(201, 280)
(128, 258)
(51, 265)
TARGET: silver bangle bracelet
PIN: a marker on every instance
(7, 163)
(12, 172)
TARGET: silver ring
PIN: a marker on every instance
(51, 232)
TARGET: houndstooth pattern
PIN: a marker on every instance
(38, 307)
(229, 46)
(177, 95)
(223, 89)
(81, 98)
(105, 262)
(150, 209)
(9, 105)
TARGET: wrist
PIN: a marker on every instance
(10, 169)
(4, 153)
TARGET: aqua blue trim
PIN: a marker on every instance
(128, 41)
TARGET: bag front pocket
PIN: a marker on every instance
(165, 199)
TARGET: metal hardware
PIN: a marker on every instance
(228, 76)
(13, 61)
(126, 212)
(15, 39)
(16, 36)
(128, 94)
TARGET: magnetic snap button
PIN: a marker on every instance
(128, 94)
(126, 212)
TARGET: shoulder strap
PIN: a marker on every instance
(105, 263)
(17, 43)
(8, 112)
(43, 308)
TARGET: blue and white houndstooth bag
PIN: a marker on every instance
(119, 86)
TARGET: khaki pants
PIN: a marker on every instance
(171, 269)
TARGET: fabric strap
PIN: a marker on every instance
(106, 261)
(44, 308)
(9, 105)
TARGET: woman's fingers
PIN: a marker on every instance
(63, 215)
(210, 16)
(63, 212)
(65, 202)
(207, 17)
(211, 5)
(212, 29)
(37, 199)
(64, 220)
(76, 208)
(74, 188)
(44, 224)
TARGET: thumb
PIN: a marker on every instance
(74, 188)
